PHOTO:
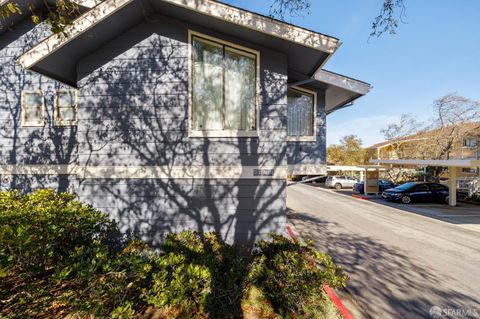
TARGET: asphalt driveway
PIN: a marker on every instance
(401, 264)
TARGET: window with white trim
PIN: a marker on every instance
(33, 108)
(223, 88)
(300, 114)
(470, 142)
(66, 107)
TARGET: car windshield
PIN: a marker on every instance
(406, 186)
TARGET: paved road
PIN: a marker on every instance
(401, 264)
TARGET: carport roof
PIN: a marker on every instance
(438, 163)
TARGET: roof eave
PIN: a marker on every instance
(211, 8)
(343, 82)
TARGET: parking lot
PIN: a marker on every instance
(464, 214)
(402, 259)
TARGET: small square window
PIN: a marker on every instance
(33, 108)
(66, 107)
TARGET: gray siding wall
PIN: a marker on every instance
(30, 145)
(134, 111)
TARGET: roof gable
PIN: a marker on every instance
(119, 15)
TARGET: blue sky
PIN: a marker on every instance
(436, 52)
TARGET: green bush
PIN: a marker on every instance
(39, 231)
(55, 250)
(60, 257)
(289, 273)
(200, 275)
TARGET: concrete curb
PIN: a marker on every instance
(330, 293)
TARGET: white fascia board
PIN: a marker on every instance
(444, 163)
(211, 8)
(88, 3)
(342, 82)
(261, 23)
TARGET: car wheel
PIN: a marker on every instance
(447, 200)
(338, 186)
(406, 199)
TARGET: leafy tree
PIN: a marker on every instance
(348, 152)
(58, 17)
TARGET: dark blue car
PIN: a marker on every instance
(417, 192)
(383, 184)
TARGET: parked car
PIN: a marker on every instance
(339, 182)
(383, 184)
(417, 192)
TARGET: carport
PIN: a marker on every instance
(453, 165)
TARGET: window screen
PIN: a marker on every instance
(33, 108)
(66, 107)
(300, 116)
(223, 87)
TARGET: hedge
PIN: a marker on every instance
(61, 258)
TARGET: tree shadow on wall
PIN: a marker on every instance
(134, 112)
(48, 144)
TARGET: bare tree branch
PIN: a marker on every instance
(392, 12)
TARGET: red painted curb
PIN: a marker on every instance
(333, 297)
(290, 232)
(360, 197)
(340, 306)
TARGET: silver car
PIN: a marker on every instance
(339, 182)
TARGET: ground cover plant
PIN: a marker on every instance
(60, 258)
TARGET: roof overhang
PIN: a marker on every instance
(436, 163)
(340, 90)
(359, 168)
(58, 55)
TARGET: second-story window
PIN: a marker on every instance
(470, 142)
(33, 108)
(66, 107)
(224, 88)
(301, 114)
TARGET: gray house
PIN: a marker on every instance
(169, 114)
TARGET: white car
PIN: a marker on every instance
(339, 182)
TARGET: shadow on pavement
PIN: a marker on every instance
(462, 214)
(400, 294)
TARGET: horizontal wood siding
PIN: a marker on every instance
(134, 111)
(242, 211)
(30, 145)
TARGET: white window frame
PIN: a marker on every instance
(58, 120)
(310, 138)
(221, 133)
(467, 142)
(25, 123)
